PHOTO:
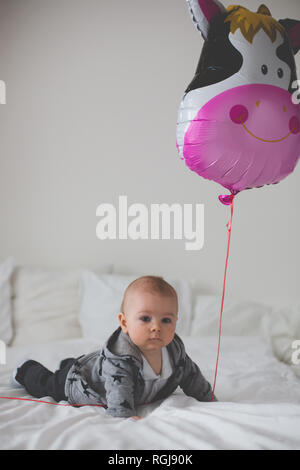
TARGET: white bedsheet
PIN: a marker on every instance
(258, 408)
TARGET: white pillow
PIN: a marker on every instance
(284, 330)
(239, 318)
(6, 270)
(102, 297)
(45, 305)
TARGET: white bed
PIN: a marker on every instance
(259, 396)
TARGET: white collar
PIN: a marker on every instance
(166, 371)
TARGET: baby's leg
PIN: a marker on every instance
(41, 382)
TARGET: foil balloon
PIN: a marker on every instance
(239, 119)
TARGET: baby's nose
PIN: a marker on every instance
(155, 325)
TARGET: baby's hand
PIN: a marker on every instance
(136, 417)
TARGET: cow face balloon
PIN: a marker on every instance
(239, 120)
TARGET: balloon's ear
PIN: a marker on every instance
(203, 12)
(292, 28)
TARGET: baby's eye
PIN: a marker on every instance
(145, 318)
(166, 320)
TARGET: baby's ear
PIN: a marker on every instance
(122, 321)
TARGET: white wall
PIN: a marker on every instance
(93, 89)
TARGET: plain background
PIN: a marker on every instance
(93, 90)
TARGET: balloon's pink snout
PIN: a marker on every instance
(239, 115)
(245, 137)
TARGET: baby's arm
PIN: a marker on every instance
(193, 382)
(119, 386)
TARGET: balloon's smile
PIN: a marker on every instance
(239, 115)
(264, 140)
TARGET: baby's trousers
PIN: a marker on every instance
(41, 382)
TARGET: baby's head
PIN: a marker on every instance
(149, 312)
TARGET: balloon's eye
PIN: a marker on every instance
(280, 73)
(264, 69)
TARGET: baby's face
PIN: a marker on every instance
(149, 319)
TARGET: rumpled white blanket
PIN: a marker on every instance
(258, 408)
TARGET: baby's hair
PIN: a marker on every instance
(151, 284)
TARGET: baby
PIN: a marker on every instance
(144, 360)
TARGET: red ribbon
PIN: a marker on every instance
(228, 225)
